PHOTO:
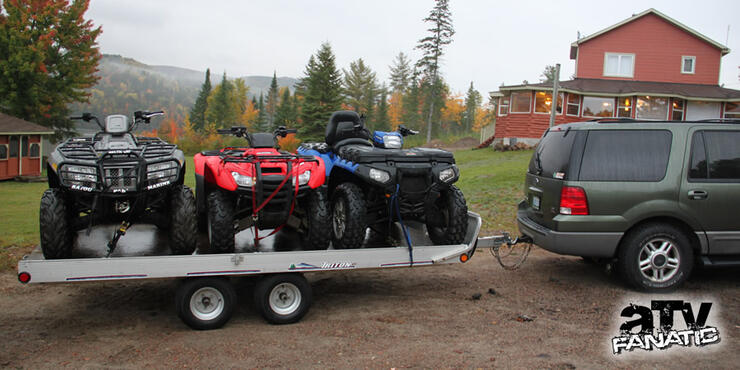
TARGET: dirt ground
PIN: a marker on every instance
(421, 317)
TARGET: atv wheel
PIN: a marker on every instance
(183, 232)
(348, 216)
(220, 222)
(55, 217)
(318, 218)
(454, 211)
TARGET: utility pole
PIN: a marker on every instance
(555, 87)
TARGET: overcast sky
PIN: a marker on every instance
(495, 42)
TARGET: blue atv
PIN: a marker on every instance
(373, 183)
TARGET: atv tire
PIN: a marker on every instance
(55, 218)
(348, 216)
(183, 223)
(455, 213)
(319, 222)
(220, 222)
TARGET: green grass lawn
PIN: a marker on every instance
(491, 181)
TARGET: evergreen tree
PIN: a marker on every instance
(262, 116)
(321, 89)
(221, 108)
(473, 100)
(359, 88)
(198, 112)
(48, 57)
(272, 103)
(440, 35)
(382, 122)
(400, 73)
(410, 115)
(285, 116)
(548, 74)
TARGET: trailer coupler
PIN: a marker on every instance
(120, 231)
(502, 246)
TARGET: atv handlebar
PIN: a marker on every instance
(87, 117)
(406, 131)
(283, 132)
(146, 117)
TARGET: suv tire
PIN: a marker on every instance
(655, 258)
(348, 216)
(452, 205)
(220, 222)
(183, 229)
(54, 218)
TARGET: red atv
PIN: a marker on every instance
(263, 187)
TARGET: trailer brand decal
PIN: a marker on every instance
(158, 185)
(649, 338)
(324, 266)
(102, 277)
(82, 188)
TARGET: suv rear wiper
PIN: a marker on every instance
(538, 162)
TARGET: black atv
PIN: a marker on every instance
(116, 177)
(373, 183)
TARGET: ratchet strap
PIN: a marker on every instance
(394, 204)
(256, 209)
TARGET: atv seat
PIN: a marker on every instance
(261, 140)
(344, 128)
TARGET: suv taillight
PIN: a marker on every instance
(573, 201)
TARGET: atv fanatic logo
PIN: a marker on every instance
(649, 338)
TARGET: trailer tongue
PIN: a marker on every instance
(206, 299)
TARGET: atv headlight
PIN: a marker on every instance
(242, 180)
(161, 171)
(303, 178)
(379, 175)
(80, 174)
(447, 174)
(392, 141)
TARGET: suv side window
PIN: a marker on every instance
(552, 154)
(626, 155)
(715, 156)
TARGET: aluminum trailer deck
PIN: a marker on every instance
(206, 299)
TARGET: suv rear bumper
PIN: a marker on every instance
(587, 244)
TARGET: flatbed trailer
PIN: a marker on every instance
(205, 298)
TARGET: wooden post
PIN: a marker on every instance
(555, 87)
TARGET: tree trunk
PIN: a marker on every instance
(429, 119)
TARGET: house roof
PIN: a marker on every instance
(14, 125)
(592, 86)
(574, 45)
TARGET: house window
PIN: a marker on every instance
(678, 107)
(24, 146)
(35, 150)
(574, 105)
(3, 152)
(688, 64)
(624, 107)
(619, 65)
(14, 147)
(732, 110)
(596, 106)
(521, 102)
(543, 102)
(503, 108)
(650, 107)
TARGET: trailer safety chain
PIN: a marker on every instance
(495, 251)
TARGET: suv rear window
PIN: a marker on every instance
(626, 155)
(723, 150)
(552, 154)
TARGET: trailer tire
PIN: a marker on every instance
(282, 298)
(205, 303)
(55, 216)
(319, 219)
(348, 216)
(452, 205)
(183, 223)
(220, 222)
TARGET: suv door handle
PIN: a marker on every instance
(697, 194)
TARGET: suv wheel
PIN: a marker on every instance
(656, 257)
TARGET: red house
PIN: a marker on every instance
(649, 66)
(20, 147)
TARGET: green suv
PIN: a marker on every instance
(656, 196)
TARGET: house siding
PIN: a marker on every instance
(658, 47)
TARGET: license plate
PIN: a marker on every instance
(535, 202)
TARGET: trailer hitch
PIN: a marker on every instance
(502, 246)
(120, 231)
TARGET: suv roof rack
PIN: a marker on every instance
(720, 120)
(613, 120)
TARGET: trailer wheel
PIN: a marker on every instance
(183, 232)
(220, 222)
(454, 211)
(282, 298)
(205, 303)
(348, 216)
(54, 223)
